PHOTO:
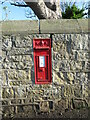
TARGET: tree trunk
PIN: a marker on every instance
(46, 10)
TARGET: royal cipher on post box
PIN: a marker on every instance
(42, 61)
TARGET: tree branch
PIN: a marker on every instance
(19, 5)
(37, 9)
(43, 12)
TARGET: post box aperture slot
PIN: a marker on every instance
(41, 61)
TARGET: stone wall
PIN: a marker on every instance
(69, 89)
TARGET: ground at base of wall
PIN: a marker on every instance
(69, 113)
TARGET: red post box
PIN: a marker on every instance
(42, 61)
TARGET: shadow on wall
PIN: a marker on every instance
(32, 75)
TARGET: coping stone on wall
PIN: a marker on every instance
(83, 24)
(21, 26)
(60, 26)
(64, 26)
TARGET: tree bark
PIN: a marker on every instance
(46, 10)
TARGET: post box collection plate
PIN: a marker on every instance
(42, 60)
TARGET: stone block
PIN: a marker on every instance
(4, 77)
(7, 92)
(23, 41)
(19, 75)
(60, 38)
(78, 91)
(44, 106)
(80, 42)
(20, 91)
(80, 103)
(17, 65)
(18, 58)
(62, 105)
(80, 55)
(57, 46)
(20, 51)
(6, 43)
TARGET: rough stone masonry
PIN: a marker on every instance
(71, 68)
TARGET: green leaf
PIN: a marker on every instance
(72, 12)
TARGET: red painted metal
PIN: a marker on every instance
(42, 61)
